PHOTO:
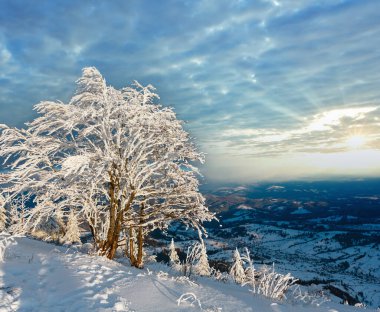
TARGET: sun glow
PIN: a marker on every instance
(356, 142)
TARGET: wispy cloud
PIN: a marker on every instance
(251, 77)
(325, 132)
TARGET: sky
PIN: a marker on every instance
(269, 89)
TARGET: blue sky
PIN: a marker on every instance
(271, 89)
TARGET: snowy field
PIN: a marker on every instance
(37, 276)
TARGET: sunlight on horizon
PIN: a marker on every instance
(355, 162)
(356, 141)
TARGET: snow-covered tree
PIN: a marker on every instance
(121, 161)
(3, 214)
(173, 257)
(237, 271)
(202, 267)
(72, 229)
(250, 278)
(197, 260)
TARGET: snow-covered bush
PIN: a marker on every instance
(266, 281)
(6, 240)
(197, 260)
(174, 261)
(189, 298)
(311, 296)
(273, 284)
(72, 229)
(192, 300)
(42, 235)
(250, 278)
(219, 276)
(47, 229)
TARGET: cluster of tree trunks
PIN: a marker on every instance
(135, 234)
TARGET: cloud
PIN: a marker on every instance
(328, 120)
(325, 132)
(248, 76)
(5, 56)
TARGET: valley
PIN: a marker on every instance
(327, 234)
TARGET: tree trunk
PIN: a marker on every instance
(132, 258)
(140, 239)
(109, 246)
(126, 244)
(116, 234)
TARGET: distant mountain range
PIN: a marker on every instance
(327, 233)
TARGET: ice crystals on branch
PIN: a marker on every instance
(75, 165)
(3, 214)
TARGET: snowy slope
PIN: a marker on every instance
(37, 276)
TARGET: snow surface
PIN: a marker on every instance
(37, 276)
(242, 206)
(275, 188)
(300, 210)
